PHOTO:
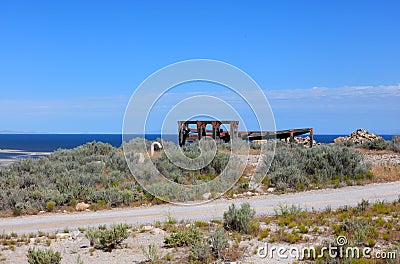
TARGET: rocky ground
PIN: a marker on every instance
(382, 158)
(78, 248)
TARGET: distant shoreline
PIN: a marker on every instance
(17, 146)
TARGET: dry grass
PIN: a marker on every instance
(386, 172)
(241, 152)
(376, 152)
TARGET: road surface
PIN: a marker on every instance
(264, 204)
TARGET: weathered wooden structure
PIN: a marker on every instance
(279, 134)
(206, 128)
(195, 130)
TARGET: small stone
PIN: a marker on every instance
(157, 231)
(270, 189)
(81, 206)
(206, 196)
(63, 235)
(147, 228)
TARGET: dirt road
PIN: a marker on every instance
(265, 204)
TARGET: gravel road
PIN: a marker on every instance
(265, 204)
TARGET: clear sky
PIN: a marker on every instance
(71, 66)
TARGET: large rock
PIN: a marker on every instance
(81, 207)
(358, 137)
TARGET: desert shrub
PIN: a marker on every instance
(46, 256)
(183, 176)
(218, 242)
(376, 144)
(151, 253)
(238, 219)
(91, 172)
(290, 176)
(255, 145)
(50, 205)
(362, 206)
(296, 167)
(182, 238)
(207, 250)
(107, 239)
(395, 143)
(200, 252)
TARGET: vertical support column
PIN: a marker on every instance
(217, 130)
(180, 134)
(214, 135)
(199, 128)
(311, 137)
(203, 129)
(291, 136)
(231, 130)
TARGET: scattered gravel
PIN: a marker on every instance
(382, 158)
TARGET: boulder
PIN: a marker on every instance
(81, 207)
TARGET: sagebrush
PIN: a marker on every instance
(43, 256)
(238, 219)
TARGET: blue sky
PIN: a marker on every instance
(71, 66)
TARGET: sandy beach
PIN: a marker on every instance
(15, 153)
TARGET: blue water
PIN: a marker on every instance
(52, 142)
(330, 138)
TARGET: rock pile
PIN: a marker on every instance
(305, 141)
(300, 140)
(358, 137)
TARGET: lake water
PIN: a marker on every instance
(52, 142)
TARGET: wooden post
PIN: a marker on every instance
(199, 130)
(311, 137)
(291, 136)
(213, 129)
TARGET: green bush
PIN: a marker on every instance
(298, 167)
(180, 175)
(206, 250)
(91, 172)
(46, 256)
(182, 238)
(376, 144)
(238, 219)
(200, 252)
(151, 253)
(107, 239)
(218, 242)
(395, 143)
(50, 205)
